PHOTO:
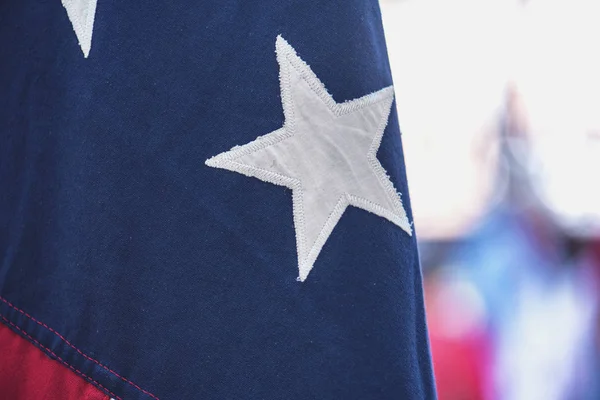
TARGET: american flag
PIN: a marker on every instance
(204, 200)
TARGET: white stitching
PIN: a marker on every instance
(285, 52)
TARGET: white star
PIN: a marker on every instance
(325, 152)
(81, 13)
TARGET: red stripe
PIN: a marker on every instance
(27, 373)
(8, 303)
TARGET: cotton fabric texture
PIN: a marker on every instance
(160, 277)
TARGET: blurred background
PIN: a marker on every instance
(499, 107)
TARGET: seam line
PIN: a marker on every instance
(76, 349)
(56, 357)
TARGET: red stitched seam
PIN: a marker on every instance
(60, 359)
(77, 350)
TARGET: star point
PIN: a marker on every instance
(325, 152)
(81, 14)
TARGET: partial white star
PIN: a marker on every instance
(325, 152)
(82, 13)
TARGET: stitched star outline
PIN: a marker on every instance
(325, 152)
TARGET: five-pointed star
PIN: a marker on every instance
(325, 152)
(82, 13)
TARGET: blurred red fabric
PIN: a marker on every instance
(461, 362)
(460, 367)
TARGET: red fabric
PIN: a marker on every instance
(461, 358)
(460, 367)
(27, 373)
